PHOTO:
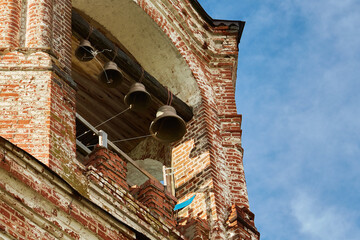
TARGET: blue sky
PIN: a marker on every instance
(298, 91)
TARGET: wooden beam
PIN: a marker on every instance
(82, 27)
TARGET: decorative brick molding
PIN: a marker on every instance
(37, 102)
(205, 158)
(35, 203)
(195, 228)
(113, 170)
(109, 165)
(160, 202)
(241, 224)
(10, 23)
(38, 108)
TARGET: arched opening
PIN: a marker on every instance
(146, 44)
(126, 23)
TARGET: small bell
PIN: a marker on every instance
(111, 76)
(84, 51)
(167, 127)
(138, 99)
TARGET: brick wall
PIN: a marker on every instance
(23, 120)
(195, 228)
(49, 27)
(38, 110)
(208, 161)
(10, 23)
(160, 202)
(36, 91)
(35, 203)
(151, 194)
(110, 165)
(241, 224)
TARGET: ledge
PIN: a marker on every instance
(104, 199)
(231, 24)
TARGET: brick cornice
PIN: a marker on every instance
(104, 199)
(242, 216)
(34, 59)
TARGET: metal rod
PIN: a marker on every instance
(83, 147)
(104, 122)
(112, 117)
(133, 138)
(87, 124)
(123, 154)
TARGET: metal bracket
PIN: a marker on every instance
(103, 138)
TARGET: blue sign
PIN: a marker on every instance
(184, 204)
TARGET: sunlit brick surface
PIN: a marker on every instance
(46, 193)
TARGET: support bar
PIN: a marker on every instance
(103, 141)
(118, 150)
(83, 147)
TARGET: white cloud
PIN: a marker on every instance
(298, 90)
(322, 222)
(335, 22)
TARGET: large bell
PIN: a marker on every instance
(84, 51)
(167, 127)
(111, 76)
(138, 99)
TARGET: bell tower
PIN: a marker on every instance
(169, 71)
(37, 91)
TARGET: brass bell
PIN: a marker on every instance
(167, 127)
(84, 51)
(138, 99)
(111, 76)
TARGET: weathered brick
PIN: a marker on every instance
(38, 115)
(110, 165)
